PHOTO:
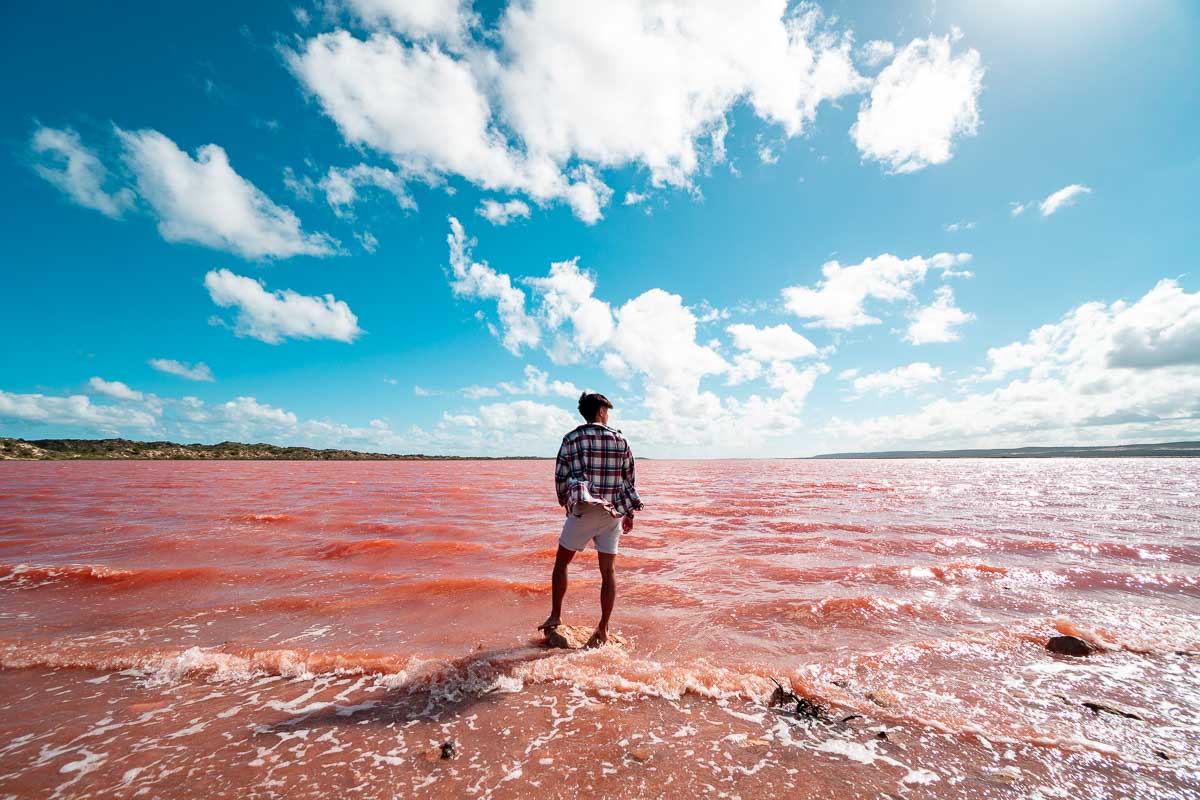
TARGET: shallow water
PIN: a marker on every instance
(312, 629)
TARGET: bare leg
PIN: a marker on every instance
(558, 587)
(608, 596)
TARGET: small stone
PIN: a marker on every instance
(640, 754)
(448, 750)
(1069, 646)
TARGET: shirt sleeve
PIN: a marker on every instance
(562, 472)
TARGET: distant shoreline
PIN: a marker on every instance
(1161, 450)
(130, 450)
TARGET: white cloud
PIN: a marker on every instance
(876, 51)
(499, 213)
(477, 280)
(774, 343)
(955, 227)
(193, 372)
(656, 335)
(203, 200)
(341, 186)
(1016, 209)
(441, 19)
(76, 170)
(1104, 372)
(920, 103)
(114, 389)
(558, 91)
(937, 321)
(847, 374)
(900, 379)
(368, 241)
(1064, 197)
(75, 410)
(282, 314)
(537, 382)
(633, 198)
(566, 297)
(766, 155)
(839, 299)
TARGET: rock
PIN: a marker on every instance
(640, 754)
(574, 637)
(804, 706)
(448, 750)
(1069, 646)
(1109, 707)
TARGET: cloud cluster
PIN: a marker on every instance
(1104, 371)
(839, 299)
(200, 200)
(555, 93)
(274, 316)
(652, 340)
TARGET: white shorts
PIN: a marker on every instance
(591, 523)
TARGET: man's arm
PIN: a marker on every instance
(562, 472)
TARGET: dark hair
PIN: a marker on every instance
(590, 404)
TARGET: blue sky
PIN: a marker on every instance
(777, 230)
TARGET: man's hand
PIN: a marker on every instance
(627, 523)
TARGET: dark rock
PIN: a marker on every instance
(1069, 646)
(449, 750)
(804, 706)
(1110, 708)
(882, 735)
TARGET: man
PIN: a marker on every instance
(594, 480)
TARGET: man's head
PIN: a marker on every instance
(594, 407)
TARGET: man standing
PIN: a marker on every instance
(594, 480)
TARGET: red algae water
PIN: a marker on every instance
(304, 630)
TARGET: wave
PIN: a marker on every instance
(360, 547)
(25, 576)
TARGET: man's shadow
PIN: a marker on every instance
(444, 688)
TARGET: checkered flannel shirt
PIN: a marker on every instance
(595, 465)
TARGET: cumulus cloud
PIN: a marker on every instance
(77, 171)
(446, 20)
(114, 389)
(653, 341)
(773, 343)
(938, 321)
(1064, 197)
(1105, 371)
(557, 92)
(274, 316)
(920, 103)
(499, 213)
(193, 372)
(76, 411)
(839, 299)
(341, 186)
(203, 200)
(476, 280)
(582, 322)
(876, 51)
(900, 379)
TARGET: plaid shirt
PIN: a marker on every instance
(595, 465)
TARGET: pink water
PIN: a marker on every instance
(304, 629)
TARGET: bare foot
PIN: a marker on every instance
(551, 623)
(599, 638)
